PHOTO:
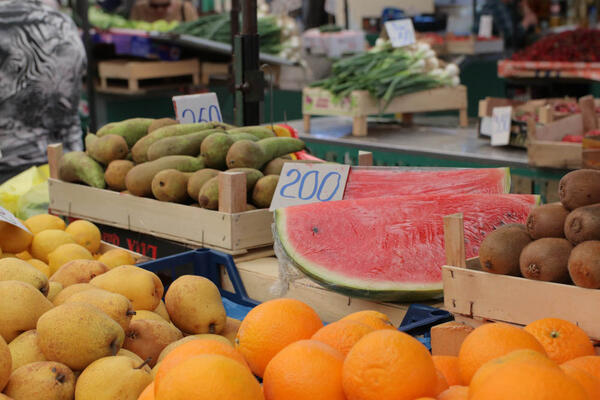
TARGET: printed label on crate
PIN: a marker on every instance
(194, 108)
(7, 216)
(401, 32)
(501, 122)
(309, 183)
(486, 22)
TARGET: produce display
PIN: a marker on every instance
(560, 242)
(180, 162)
(387, 72)
(389, 248)
(579, 45)
(103, 20)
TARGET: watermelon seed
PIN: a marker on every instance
(315, 230)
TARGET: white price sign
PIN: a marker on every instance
(401, 32)
(6, 216)
(501, 122)
(194, 108)
(485, 26)
(309, 183)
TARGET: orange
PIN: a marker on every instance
(590, 364)
(455, 392)
(374, 319)
(490, 341)
(196, 348)
(271, 326)
(12, 239)
(441, 383)
(116, 257)
(66, 253)
(590, 383)
(42, 222)
(562, 340)
(388, 365)
(448, 365)
(342, 335)
(24, 255)
(85, 234)
(208, 377)
(47, 241)
(305, 370)
(528, 380)
(148, 393)
(41, 266)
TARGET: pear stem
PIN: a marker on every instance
(146, 361)
(60, 377)
(114, 347)
(130, 312)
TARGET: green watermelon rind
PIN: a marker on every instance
(507, 179)
(355, 287)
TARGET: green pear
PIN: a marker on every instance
(111, 378)
(78, 334)
(143, 288)
(69, 291)
(78, 271)
(5, 363)
(24, 349)
(195, 306)
(147, 338)
(115, 305)
(14, 269)
(42, 380)
(54, 289)
(130, 354)
(190, 338)
(20, 308)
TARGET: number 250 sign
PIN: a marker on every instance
(194, 108)
(309, 183)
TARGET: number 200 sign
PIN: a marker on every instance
(194, 108)
(309, 183)
(401, 32)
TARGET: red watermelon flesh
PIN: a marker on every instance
(378, 182)
(389, 248)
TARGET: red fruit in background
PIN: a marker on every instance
(573, 138)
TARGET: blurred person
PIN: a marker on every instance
(512, 19)
(168, 10)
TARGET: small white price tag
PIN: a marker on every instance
(485, 26)
(501, 122)
(194, 108)
(401, 32)
(485, 127)
(309, 183)
(6, 216)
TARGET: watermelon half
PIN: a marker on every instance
(389, 248)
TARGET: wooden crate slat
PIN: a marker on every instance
(541, 153)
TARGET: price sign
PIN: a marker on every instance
(485, 26)
(6, 216)
(501, 121)
(401, 32)
(195, 108)
(331, 6)
(486, 126)
(309, 183)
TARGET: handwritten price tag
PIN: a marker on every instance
(6, 216)
(485, 26)
(194, 108)
(309, 183)
(401, 32)
(501, 122)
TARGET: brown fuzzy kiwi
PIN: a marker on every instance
(547, 221)
(580, 188)
(584, 264)
(546, 260)
(583, 224)
(500, 250)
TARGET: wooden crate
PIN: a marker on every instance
(359, 105)
(472, 46)
(474, 296)
(226, 230)
(123, 76)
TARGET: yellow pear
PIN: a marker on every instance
(20, 307)
(186, 339)
(24, 349)
(112, 378)
(54, 289)
(145, 314)
(142, 287)
(14, 269)
(147, 338)
(5, 397)
(42, 380)
(5, 363)
(162, 311)
(69, 291)
(77, 334)
(155, 370)
(195, 306)
(130, 354)
(78, 271)
(231, 329)
(115, 305)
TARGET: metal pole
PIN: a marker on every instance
(82, 10)
(250, 25)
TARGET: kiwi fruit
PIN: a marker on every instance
(546, 259)
(500, 250)
(547, 221)
(580, 188)
(584, 264)
(583, 224)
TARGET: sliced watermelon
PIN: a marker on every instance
(389, 248)
(378, 182)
